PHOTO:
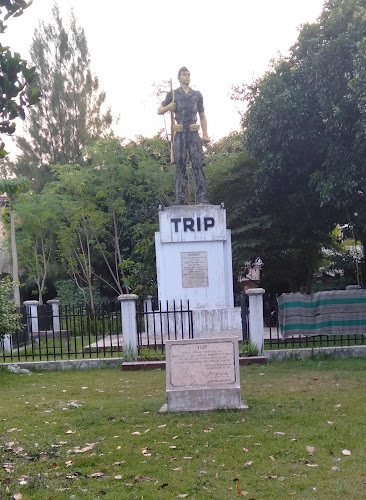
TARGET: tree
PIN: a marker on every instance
(17, 80)
(105, 213)
(36, 237)
(12, 188)
(305, 126)
(69, 114)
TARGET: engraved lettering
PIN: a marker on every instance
(188, 223)
(176, 222)
(208, 222)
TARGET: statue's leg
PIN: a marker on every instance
(195, 153)
(180, 156)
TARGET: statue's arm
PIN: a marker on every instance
(163, 109)
(203, 121)
(167, 104)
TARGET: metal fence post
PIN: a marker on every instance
(55, 303)
(129, 326)
(32, 315)
(256, 326)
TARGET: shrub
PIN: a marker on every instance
(9, 318)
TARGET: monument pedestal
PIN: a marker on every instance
(194, 263)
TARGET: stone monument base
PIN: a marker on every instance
(203, 400)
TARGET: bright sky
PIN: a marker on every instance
(136, 43)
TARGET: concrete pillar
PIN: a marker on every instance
(129, 326)
(256, 326)
(55, 303)
(32, 314)
(148, 303)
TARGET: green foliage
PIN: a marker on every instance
(148, 354)
(247, 348)
(305, 126)
(12, 187)
(68, 293)
(69, 114)
(9, 318)
(98, 219)
(17, 80)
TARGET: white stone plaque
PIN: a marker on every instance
(202, 374)
(194, 269)
(205, 364)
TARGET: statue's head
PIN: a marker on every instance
(183, 69)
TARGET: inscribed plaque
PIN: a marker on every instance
(194, 269)
(202, 364)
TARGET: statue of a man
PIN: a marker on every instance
(186, 103)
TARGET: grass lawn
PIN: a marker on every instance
(97, 434)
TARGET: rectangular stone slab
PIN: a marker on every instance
(202, 374)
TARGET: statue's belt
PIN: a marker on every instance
(193, 127)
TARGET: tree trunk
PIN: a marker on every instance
(14, 256)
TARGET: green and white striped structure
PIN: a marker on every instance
(338, 312)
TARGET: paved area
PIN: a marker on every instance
(116, 341)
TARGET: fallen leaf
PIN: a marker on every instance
(310, 450)
(346, 452)
(176, 468)
(70, 432)
(175, 437)
(245, 449)
(96, 475)
(53, 466)
(138, 479)
(73, 476)
(118, 477)
(272, 458)
(239, 491)
(209, 429)
(329, 422)
(248, 464)
(77, 449)
(136, 433)
(337, 406)
(68, 463)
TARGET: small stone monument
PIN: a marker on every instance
(202, 374)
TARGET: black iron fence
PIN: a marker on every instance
(75, 332)
(169, 321)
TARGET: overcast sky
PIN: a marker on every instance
(136, 43)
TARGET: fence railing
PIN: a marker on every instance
(169, 321)
(75, 332)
